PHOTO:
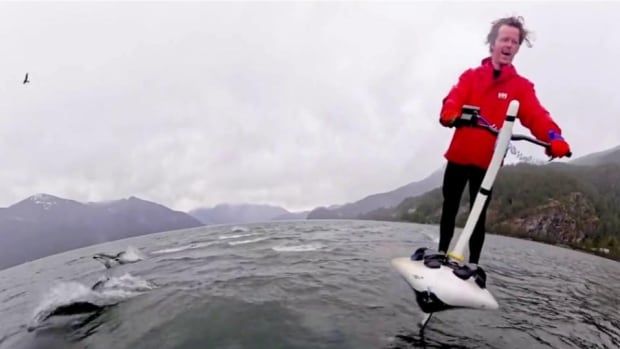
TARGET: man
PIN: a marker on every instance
(491, 87)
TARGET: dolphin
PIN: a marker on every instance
(109, 260)
(76, 308)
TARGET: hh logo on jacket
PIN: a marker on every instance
(502, 95)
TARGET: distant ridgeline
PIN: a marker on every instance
(574, 205)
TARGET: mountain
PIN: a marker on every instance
(559, 203)
(43, 224)
(237, 213)
(379, 201)
(611, 156)
(291, 216)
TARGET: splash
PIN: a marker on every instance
(133, 255)
(105, 293)
(431, 236)
(128, 282)
(238, 229)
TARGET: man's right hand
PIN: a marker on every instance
(448, 121)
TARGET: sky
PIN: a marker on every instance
(294, 104)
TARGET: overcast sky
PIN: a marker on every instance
(292, 104)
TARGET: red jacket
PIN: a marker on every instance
(478, 87)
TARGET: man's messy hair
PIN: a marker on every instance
(513, 21)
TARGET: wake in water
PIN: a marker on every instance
(191, 246)
(243, 242)
(298, 248)
(225, 237)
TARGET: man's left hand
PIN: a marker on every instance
(558, 148)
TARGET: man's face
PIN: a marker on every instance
(506, 46)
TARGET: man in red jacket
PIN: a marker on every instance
(491, 87)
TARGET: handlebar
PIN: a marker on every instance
(471, 117)
(514, 137)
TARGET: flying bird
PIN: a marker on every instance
(26, 79)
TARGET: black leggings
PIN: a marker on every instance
(454, 180)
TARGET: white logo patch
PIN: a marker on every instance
(502, 95)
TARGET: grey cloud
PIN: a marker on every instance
(293, 104)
